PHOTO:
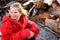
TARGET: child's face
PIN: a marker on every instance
(14, 13)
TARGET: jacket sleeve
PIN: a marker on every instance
(33, 27)
(8, 34)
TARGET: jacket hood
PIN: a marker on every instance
(7, 18)
(12, 21)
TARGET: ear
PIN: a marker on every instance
(7, 14)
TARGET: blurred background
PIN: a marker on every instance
(45, 13)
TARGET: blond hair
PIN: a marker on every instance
(19, 6)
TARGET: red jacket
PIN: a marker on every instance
(13, 30)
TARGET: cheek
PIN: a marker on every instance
(19, 14)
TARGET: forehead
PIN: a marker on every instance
(14, 9)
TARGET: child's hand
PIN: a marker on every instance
(31, 35)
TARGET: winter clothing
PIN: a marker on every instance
(18, 30)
